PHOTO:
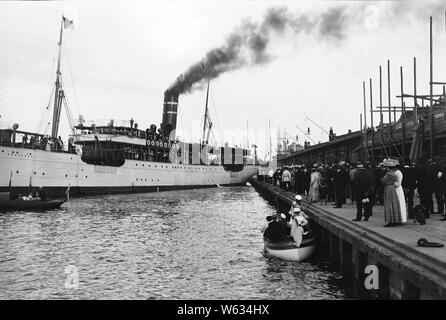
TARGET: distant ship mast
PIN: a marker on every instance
(207, 119)
(58, 93)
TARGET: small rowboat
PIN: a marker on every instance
(11, 205)
(287, 250)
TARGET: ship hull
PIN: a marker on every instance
(56, 171)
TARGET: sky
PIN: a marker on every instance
(123, 55)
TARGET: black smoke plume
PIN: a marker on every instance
(248, 44)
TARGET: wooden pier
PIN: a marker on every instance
(404, 270)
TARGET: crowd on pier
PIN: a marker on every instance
(390, 183)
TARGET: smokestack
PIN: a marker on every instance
(170, 111)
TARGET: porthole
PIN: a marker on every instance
(86, 177)
(16, 172)
(43, 173)
(66, 176)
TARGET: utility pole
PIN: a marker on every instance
(270, 142)
(415, 88)
(371, 120)
(431, 110)
(381, 118)
(364, 132)
(403, 149)
(390, 107)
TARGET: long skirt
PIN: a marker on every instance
(392, 208)
(401, 199)
(313, 194)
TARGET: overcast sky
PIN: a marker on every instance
(122, 56)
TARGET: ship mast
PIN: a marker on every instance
(270, 142)
(58, 92)
(207, 120)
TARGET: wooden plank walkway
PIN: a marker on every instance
(406, 234)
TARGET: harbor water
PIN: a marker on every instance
(191, 244)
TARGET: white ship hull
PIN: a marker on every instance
(56, 171)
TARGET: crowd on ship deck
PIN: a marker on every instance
(390, 183)
(35, 141)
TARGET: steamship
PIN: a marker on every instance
(116, 158)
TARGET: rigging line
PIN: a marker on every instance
(51, 87)
(70, 118)
(45, 111)
(67, 106)
(72, 78)
(181, 121)
(216, 118)
(214, 140)
(46, 116)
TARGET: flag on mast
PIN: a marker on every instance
(68, 23)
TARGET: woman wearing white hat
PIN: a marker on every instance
(392, 207)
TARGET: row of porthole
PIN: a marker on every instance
(43, 173)
(184, 168)
(28, 155)
(66, 176)
(146, 179)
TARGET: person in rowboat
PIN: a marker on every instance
(298, 224)
(277, 229)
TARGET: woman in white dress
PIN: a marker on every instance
(313, 194)
(400, 193)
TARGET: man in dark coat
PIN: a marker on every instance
(425, 186)
(275, 177)
(340, 181)
(379, 172)
(307, 179)
(277, 230)
(443, 184)
(438, 178)
(409, 185)
(364, 185)
(299, 181)
(330, 184)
